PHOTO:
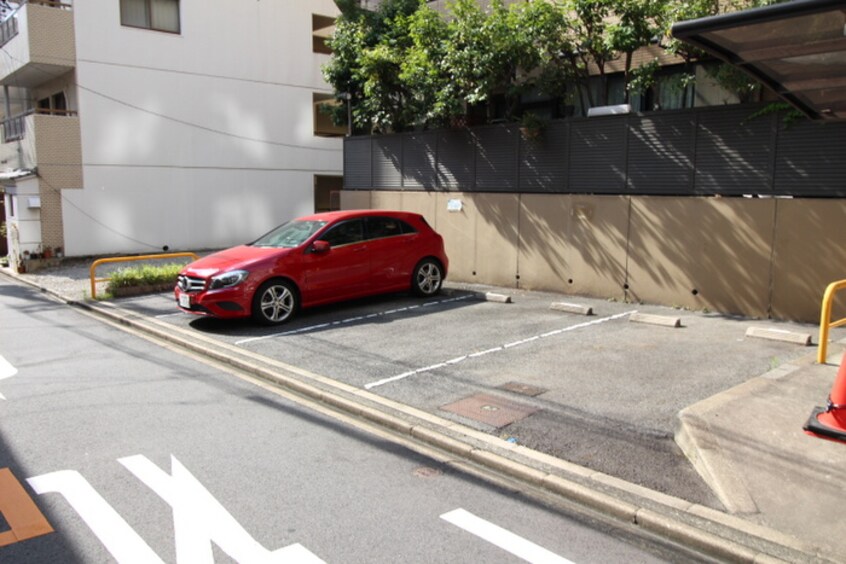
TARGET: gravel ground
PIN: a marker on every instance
(72, 278)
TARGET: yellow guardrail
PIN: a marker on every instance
(93, 270)
(825, 318)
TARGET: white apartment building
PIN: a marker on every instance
(136, 125)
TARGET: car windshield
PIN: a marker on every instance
(288, 235)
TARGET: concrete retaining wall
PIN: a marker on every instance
(758, 257)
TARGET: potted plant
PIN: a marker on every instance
(531, 125)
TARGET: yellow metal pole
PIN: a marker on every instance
(825, 319)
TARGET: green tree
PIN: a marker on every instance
(638, 23)
(592, 39)
(406, 65)
(437, 97)
(367, 53)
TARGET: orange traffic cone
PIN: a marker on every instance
(830, 422)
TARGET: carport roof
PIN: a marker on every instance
(798, 49)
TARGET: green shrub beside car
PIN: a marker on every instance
(143, 279)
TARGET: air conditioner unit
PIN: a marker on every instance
(609, 110)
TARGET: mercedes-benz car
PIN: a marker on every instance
(314, 260)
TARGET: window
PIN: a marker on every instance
(160, 15)
(379, 227)
(345, 233)
(322, 104)
(56, 104)
(322, 28)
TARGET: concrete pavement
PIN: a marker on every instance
(783, 491)
(747, 443)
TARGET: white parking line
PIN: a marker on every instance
(351, 320)
(163, 315)
(456, 360)
(503, 538)
(6, 371)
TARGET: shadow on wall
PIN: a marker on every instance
(757, 257)
(640, 223)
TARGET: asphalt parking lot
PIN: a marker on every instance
(599, 390)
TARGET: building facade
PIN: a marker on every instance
(132, 126)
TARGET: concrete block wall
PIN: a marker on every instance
(51, 32)
(757, 257)
(58, 152)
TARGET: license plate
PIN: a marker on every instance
(185, 301)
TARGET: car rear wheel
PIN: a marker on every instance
(276, 301)
(428, 278)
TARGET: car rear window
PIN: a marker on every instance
(379, 227)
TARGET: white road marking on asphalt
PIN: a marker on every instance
(404, 375)
(503, 538)
(349, 320)
(121, 540)
(6, 371)
(199, 519)
(163, 315)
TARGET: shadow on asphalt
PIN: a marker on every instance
(363, 311)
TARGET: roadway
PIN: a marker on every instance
(133, 452)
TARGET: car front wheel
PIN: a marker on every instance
(428, 278)
(276, 301)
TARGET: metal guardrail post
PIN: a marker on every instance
(825, 319)
(93, 270)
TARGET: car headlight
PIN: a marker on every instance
(228, 279)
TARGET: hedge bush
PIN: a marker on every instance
(153, 277)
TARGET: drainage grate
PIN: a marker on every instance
(495, 411)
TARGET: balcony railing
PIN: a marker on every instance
(8, 29)
(14, 128)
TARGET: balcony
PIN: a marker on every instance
(48, 141)
(38, 44)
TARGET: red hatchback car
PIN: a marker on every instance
(317, 259)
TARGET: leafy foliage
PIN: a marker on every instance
(145, 275)
(407, 66)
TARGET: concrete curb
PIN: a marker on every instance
(571, 308)
(703, 529)
(802, 339)
(499, 298)
(651, 319)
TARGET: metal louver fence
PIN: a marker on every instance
(705, 151)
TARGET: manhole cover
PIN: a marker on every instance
(523, 389)
(495, 411)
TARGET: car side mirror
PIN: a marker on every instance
(320, 247)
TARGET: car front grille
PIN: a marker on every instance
(190, 283)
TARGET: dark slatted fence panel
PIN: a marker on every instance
(734, 153)
(597, 155)
(456, 160)
(543, 160)
(660, 157)
(419, 151)
(690, 152)
(496, 158)
(387, 161)
(357, 171)
(811, 159)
